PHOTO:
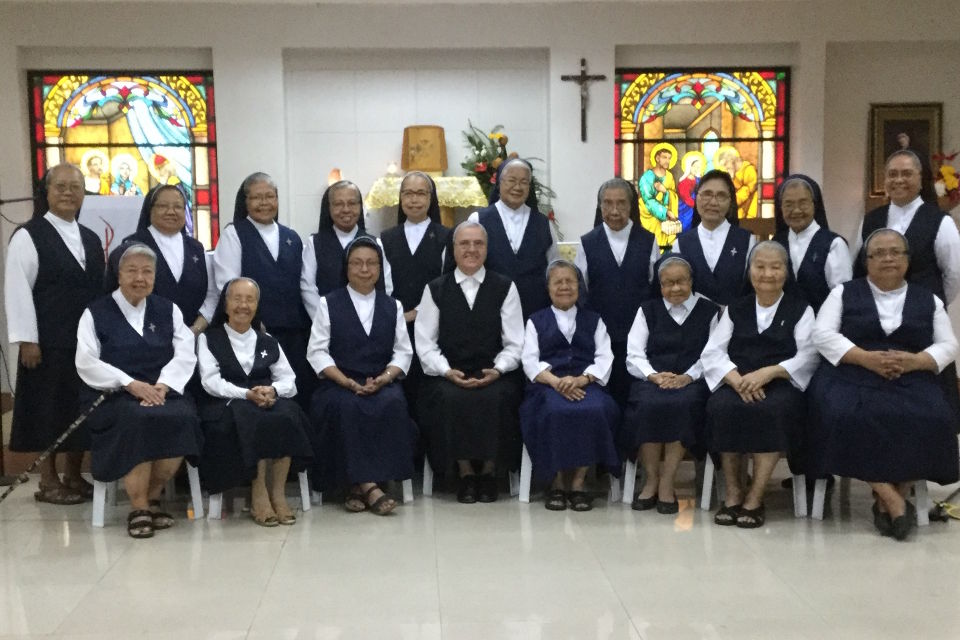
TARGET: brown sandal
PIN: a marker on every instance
(383, 505)
(355, 501)
(58, 494)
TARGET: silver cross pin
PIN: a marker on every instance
(195, 259)
(263, 354)
(289, 242)
(733, 251)
(153, 327)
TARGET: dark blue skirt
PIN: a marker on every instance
(361, 438)
(880, 430)
(125, 434)
(664, 415)
(620, 379)
(776, 423)
(561, 434)
(238, 434)
(47, 402)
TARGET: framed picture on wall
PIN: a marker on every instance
(914, 126)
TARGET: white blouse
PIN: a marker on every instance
(427, 326)
(228, 256)
(833, 344)
(318, 349)
(837, 267)
(618, 245)
(171, 248)
(100, 375)
(244, 347)
(515, 225)
(800, 368)
(637, 363)
(567, 323)
(712, 243)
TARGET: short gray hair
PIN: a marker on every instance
(469, 224)
(520, 161)
(795, 181)
(769, 245)
(672, 260)
(886, 231)
(906, 153)
(137, 249)
(615, 183)
(244, 279)
(561, 263)
(254, 178)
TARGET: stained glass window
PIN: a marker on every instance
(671, 126)
(131, 132)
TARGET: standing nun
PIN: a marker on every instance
(360, 348)
(616, 260)
(415, 249)
(716, 247)
(256, 246)
(181, 266)
(520, 240)
(668, 399)
(341, 220)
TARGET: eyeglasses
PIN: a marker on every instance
(345, 204)
(719, 197)
(880, 254)
(615, 205)
(360, 264)
(407, 193)
(906, 174)
(64, 187)
(176, 208)
(800, 205)
(263, 197)
(514, 182)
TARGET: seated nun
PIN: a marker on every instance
(181, 266)
(135, 346)
(567, 417)
(880, 413)
(469, 331)
(360, 348)
(247, 412)
(758, 362)
(667, 408)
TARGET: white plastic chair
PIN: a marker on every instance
(101, 489)
(706, 494)
(526, 475)
(920, 494)
(513, 476)
(216, 499)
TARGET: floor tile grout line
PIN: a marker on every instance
(273, 571)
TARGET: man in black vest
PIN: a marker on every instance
(54, 268)
(469, 337)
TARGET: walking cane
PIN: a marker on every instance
(23, 477)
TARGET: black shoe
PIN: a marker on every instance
(643, 504)
(882, 521)
(467, 493)
(668, 508)
(901, 527)
(487, 488)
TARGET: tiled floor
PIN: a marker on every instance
(438, 569)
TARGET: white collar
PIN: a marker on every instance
(231, 332)
(346, 235)
(622, 234)
(775, 304)
(522, 210)
(687, 304)
(908, 209)
(460, 276)
(362, 297)
(877, 291)
(811, 229)
(721, 228)
(57, 221)
(570, 313)
(125, 305)
(414, 225)
(263, 227)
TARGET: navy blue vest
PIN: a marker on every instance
(230, 370)
(727, 281)
(412, 272)
(140, 357)
(616, 291)
(188, 293)
(811, 279)
(527, 266)
(329, 255)
(358, 355)
(566, 358)
(280, 304)
(750, 350)
(921, 235)
(673, 347)
(470, 338)
(63, 288)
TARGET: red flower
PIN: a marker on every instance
(493, 179)
(480, 167)
(551, 216)
(124, 92)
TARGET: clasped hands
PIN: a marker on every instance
(459, 378)
(149, 395)
(668, 380)
(892, 364)
(370, 386)
(750, 386)
(263, 396)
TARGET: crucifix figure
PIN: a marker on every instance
(582, 80)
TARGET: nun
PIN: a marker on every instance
(54, 269)
(819, 258)
(181, 274)
(758, 363)
(341, 220)
(716, 246)
(415, 249)
(247, 412)
(616, 260)
(880, 414)
(256, 246)
(135, 347)
(360, 349)
(520, 241)
(566, 417)
(667, 408)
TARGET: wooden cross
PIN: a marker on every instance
(582, 80)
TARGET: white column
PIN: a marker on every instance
(808, 109)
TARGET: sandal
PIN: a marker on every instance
(161, 519)
(264, 521)
(355, 501)
(286, 517)
(727, 516)
(382, 505)
(79, 485)
(751, 518)
(140, 524)
(580, 501)
(58, 494)
(556, 500)
(882, 521)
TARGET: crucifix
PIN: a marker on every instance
(582, 80)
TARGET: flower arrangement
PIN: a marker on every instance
(947, 183)
(486, 152)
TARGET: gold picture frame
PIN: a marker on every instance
(917, 126)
